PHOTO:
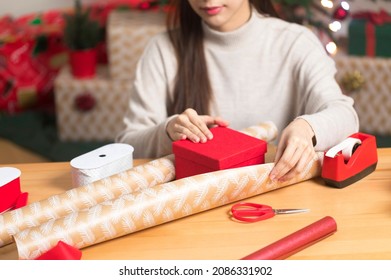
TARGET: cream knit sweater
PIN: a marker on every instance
(267, 70)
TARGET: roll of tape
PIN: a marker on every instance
(103, 162)
(9, 187)
(346, 147)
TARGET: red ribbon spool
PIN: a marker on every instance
(11, 196)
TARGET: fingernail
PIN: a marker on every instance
(203, 140)
(282, 179)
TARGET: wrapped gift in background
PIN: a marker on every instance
(31, 54)
(227, 149)
(128, 32)
(370, 34)
(368, 81)
(90, 110)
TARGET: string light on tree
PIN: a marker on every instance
(331, 48)
(335, 26)
(339, 14)
(327, 4)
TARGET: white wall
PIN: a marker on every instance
(369, 5)
(21, 7)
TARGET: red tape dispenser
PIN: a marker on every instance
(349, 161)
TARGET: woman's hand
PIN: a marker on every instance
(190, 125)
(294, 151)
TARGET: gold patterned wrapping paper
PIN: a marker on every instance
(140, 177)
(266, 131)
(154, 206)
(372, 94)
(104, 119)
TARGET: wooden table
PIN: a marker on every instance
(362, 212)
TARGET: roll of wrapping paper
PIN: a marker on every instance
(143, 176)
(153, 206)
(296, 241)
(155, 172)
(266, 131)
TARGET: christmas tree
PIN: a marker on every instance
(324, 17)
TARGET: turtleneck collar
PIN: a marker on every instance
(236, 38)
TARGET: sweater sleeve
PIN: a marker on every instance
(323, 105)
(146, 118)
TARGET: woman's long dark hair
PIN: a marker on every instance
(192, 86)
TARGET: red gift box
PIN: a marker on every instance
(228, 149)
(370, 34)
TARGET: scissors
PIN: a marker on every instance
(253, 212)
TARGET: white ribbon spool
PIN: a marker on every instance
(103, 162)
(8, 174)
(346, 146)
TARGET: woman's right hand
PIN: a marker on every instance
(190, 125)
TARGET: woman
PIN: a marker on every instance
(233, 63)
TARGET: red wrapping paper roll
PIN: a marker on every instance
(62, 251)
(296, 241)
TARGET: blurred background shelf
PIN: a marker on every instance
(32, 137)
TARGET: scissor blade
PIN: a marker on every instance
(290, 211)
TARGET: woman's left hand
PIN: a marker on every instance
(294, 151)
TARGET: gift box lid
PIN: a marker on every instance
(227, 149)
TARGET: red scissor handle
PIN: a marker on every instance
(251, 212)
